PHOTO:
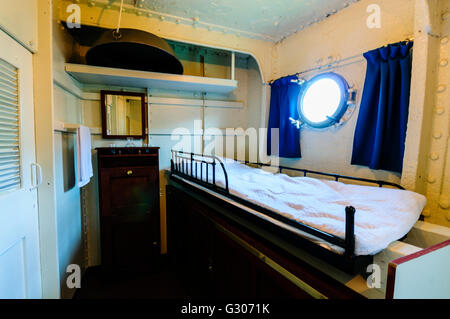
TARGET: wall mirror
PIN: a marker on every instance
(123, 115)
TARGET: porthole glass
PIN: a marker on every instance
(323, 100)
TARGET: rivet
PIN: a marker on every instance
(441, 88)
(444, 204)
(437, 135)
(434, 156)
(444, 40)
(446, 15)
(139, 13)
(91, 4)
(439, 110)
(161, 18)
(149, 15)
(443, 63)
(431, 179)
(426, 213)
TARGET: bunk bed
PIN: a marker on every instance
(207, 177)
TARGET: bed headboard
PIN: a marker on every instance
(197, 167)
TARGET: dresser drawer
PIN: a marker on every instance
(111, 161)
(129, 191)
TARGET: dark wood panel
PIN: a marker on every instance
(232, 269)
(226, 257)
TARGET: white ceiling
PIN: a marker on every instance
(270, 19)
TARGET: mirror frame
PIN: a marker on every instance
(103, 94)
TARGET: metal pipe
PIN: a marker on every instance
(233, 65)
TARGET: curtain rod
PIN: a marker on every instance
(337, 62)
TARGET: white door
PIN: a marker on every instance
(20, 271)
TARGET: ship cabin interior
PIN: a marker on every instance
(223, 150)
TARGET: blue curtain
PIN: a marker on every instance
(379, 140)
(283, 105)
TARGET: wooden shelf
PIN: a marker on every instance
(88, 74)
(69, 127)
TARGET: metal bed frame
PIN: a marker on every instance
(190, 166)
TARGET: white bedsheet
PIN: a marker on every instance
(383, 215)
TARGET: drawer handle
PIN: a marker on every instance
(130, 172)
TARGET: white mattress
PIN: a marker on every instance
(383, 215)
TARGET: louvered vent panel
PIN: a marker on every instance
(9, 128)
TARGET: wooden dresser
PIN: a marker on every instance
(129, 205)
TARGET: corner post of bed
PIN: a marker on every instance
(192, 165)
(350, 231)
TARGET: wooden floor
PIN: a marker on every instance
(104, 283)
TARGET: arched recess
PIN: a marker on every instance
(260, 50)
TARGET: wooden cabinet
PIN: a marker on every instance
(218, 258)
(129, 205)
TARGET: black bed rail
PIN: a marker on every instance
(185, 165)
(336, 177)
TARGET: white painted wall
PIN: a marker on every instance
(43, 103)
(342, 35)
(429, 130)
(439, 166)
(68, 202)
(20, 21)
(423, 83)
(67, 108)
